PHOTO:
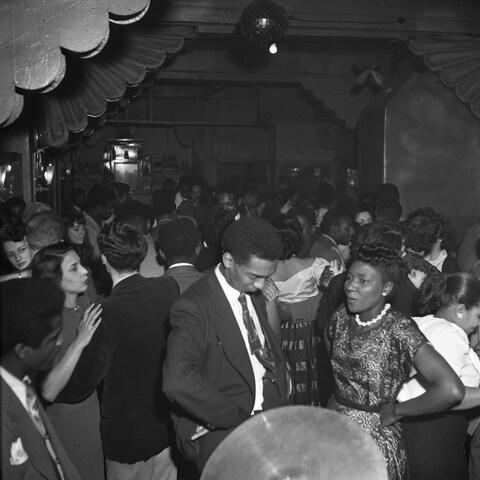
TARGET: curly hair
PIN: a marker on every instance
(383, 258)
(252, 236)
(443, 290)
(47, 262)
(290, 231)
(422, 231)
(446, 232)
(123, 246)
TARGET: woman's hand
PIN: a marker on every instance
(89, 324)
(270, 290)
(388, 415)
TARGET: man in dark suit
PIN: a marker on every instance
(223, 360)
(129, 347)
(135, 413)
(31, 335)
(179, 243)
(336, 233)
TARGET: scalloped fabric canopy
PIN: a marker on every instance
(96, 87)
(34, 36)
(457, 62)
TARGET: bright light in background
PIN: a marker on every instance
(273, 48)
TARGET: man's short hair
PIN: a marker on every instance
(100, 195)
(28, 306)
(123, 246)
(179, 238)
(333, 217)
(252, 236)
(163, 202)
(44, 229)
(389, 210)
(134, 213)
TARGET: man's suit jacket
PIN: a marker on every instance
(17, 424)
(184, 275)
(127, 352)
(207, 370)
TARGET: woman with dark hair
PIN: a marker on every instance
(77, 424)
(298, 280)
(442, 253)
(436, 443)
(15, 249)
(373, 349)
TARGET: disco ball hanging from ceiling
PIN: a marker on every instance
(263, 23)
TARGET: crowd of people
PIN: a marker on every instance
(136, 337)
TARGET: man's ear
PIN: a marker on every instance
(22, 351)
(228, 260)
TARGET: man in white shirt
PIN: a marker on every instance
(31, 335)
(223, 361)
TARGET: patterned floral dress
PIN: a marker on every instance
(369, 368)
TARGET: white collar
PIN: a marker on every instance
(180, 264)
(18, 386)
(230, 292)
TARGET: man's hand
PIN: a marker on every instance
(270, 290)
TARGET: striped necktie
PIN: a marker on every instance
(262, 353)
(34, 412)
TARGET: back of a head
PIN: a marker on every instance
(252, 236)
(421, 230)
(163, 202)
(33, 209)
(28, 305)
(333, 217)
(179, 239)
(44, 229)
(388, 234)
(387, 191)
(100, 195)
(443, 290)
(134, 213)
(123, 246)
(290, 232)
(388, 209)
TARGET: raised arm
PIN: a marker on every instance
(56, 379)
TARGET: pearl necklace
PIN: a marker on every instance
(386, 308)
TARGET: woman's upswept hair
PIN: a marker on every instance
(383, 258)
(442, 290)
(123, 246)
(290, 231)
(47, 262)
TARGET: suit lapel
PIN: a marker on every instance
(229, 334)
(16, 419)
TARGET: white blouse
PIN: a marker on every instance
(451, 342)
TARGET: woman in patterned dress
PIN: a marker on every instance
(372, 350)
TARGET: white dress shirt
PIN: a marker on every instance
(18, 387)
(451, 342)
(258, 369)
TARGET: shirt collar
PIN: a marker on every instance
(18, 386)
(181, 264)
(230, 292)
